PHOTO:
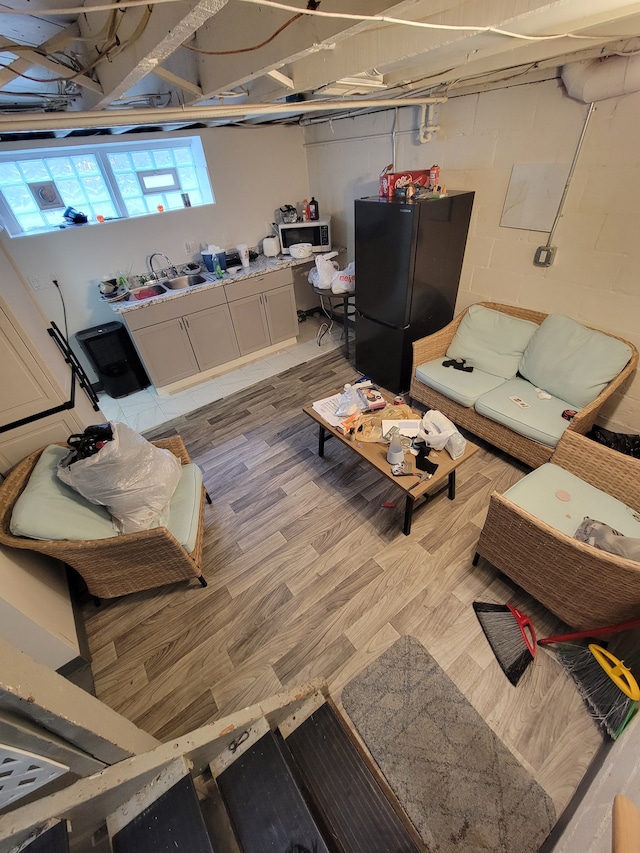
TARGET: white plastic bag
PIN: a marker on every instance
(436, 429)
(345, 280)
(131, 477)
(456, 445)
(350, 402)
(322, 275)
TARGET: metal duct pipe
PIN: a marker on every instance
(181, 115)
(598, 79)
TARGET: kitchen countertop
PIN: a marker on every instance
(257, 267)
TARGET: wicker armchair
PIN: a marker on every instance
(526, 449)
(118, 565)
(584, 586)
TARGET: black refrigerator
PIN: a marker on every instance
(408, 260)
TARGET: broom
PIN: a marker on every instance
(511, 636)
(606, 684)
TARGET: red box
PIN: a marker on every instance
(391, 181)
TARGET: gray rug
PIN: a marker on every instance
(459, 784)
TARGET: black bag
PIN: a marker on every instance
(87, 443)
(620, 441)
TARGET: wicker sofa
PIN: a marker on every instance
(116, 565)
(583, 585)
(432, 349)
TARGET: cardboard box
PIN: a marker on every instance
(390, 181)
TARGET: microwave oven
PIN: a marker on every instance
(316, 232)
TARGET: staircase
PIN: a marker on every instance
(286, 776)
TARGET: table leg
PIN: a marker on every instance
(321, 437)
(452, 486)
(346, 324)
(408, 515)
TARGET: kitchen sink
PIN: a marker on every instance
(181, 281)
(147, 291)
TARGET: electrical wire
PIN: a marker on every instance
(243, 49)
(64, 309)
(384, 19)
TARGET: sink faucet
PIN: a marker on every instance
(169, 266)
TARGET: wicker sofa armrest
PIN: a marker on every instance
(614, 473)
(435, 345)
(176, 446)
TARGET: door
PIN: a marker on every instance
(383, 354)
(282, 318)
(250, 323)
(212, 336)
(385, 232)
(166, 351)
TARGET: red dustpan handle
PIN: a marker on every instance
(595, 632)
(526, 629)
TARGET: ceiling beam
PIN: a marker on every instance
(178, 82)
(168, 26)
(29, 58)
(251, 25)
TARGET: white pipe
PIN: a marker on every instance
(427, 129)
(598, 79)
(173, 115)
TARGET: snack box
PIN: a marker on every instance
(390, 181)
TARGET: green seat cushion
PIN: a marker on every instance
(49, 509)
(562, 500)
(461, 387)
(572, 362)
(541, 422)
(491, 341)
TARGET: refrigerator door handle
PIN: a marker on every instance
(381, 322)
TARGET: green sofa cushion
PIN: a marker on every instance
(49, 509)
(542, 421)
(464, 388)
(491, 341)
(562, 500)
(572, 362)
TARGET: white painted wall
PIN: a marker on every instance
(252, 170)
(35, 610)
(595, 277)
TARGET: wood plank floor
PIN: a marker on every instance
(309, 575)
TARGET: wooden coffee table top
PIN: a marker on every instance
(376, 454)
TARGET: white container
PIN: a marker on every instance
(301, 250)
(271, 246)
(243, 251)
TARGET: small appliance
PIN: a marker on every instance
(317, 233)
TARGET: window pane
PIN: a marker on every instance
(173, 201)
(128, 185)
(34, 170)
(60, 167)
(95, 189)
(163, 157)
(54, 217)
(195, 197)
(188, 179)
(19, 199)
(142, 159)
(136, 206)
(30, 221)
(9, 174)
(153, 201)
(120, 162)
(183, 156)
(71, 192)
(106, 209)
(85, 165)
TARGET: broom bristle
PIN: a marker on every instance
(608, 705)
(505, 638)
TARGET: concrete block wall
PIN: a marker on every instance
(595, 276)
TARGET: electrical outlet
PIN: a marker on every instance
(191, 247)
(39, 282)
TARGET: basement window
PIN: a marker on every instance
(103, 181)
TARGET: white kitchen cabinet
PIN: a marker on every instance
(250, 323)
(181, 337)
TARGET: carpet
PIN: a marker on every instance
(459, 784)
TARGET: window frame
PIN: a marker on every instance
(101, 150)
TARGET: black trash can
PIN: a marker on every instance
(114, 358)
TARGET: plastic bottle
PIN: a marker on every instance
(314, 210)
(305, 210)
(349, 402)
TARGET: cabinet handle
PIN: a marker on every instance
(186, 322)
(180, 324)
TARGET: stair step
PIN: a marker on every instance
(353, 807)
(54, 839)
(266, 807)
(172, 822)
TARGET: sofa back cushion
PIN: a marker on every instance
(491, 341)
(572, 362)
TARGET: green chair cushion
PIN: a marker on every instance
(464, 388)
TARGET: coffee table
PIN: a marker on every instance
(413, 487)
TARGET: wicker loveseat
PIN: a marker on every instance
(428, 355)
(535, 546)
(118, 564)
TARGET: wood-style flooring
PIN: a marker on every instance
(310, 575)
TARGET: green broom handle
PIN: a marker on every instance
(596, 632)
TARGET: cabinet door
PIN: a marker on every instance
(250, 323)
(166, 351)
(212, 336)
(282, 317)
